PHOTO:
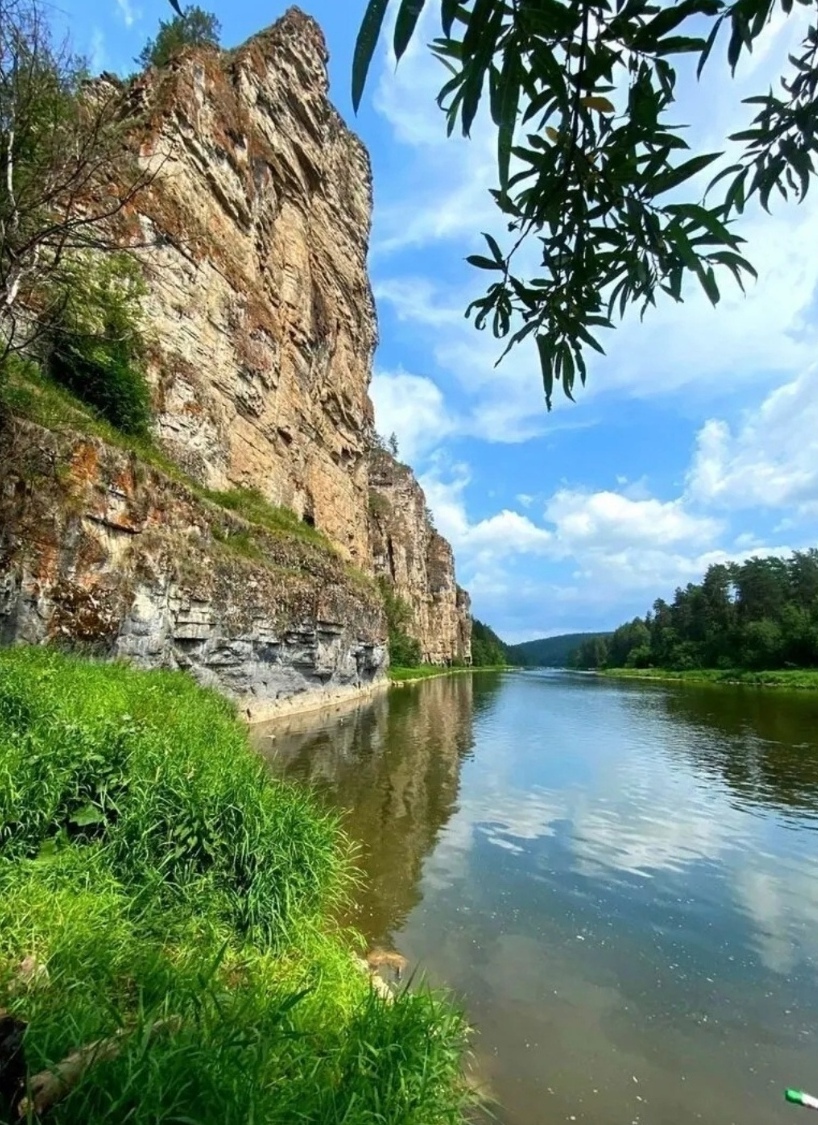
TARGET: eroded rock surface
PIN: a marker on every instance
(261, 330)
(101, 552)
(417, 561)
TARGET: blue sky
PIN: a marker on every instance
(696, 439)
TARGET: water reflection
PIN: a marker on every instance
(621, 881)
(394, 763)
(760, 743)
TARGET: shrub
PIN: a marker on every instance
(193, 28)
(404, 650)
(93, 341)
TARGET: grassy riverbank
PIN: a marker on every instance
(429, 671)
(799, 679)
(160, 892)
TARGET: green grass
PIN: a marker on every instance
(27, 392)
(429, 671)
(251, 506)
(801, 679)
(149, 862)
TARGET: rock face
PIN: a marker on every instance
(261, 335)
(261, 311)
(100, 551)
(417, 561)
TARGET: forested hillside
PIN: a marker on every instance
(487, 650)
(548, 652)
(760, 614)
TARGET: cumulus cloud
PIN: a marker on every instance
(411, 407)
(770, 461)
(591, 519)
(492, 539)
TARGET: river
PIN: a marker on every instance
(618, 880)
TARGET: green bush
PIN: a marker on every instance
(193, 28)
(175, 896)
(404, 650)
(94, 345)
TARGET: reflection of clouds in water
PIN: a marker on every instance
(783, 906)
(643, 816)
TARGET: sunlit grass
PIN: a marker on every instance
(155, 872)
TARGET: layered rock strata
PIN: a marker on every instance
(100, 552)
(417, 562)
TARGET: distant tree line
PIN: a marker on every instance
(547, 652)
(761, 614)
(487, 650)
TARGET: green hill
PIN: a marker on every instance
(487, 650)
(548, 652)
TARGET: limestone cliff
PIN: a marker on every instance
(417, 561)
(262, 316)
(101, 551)
(254, 233)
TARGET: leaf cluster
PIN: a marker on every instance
(66, 173)
(591, 167)
(93, 342)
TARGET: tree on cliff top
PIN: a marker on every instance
(581, 93)
(191, 27)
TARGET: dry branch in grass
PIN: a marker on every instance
(51, 1086)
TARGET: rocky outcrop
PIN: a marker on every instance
(262, 317)
(254, 231)
(100, 551)
(417, 561)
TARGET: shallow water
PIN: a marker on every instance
(619, 881)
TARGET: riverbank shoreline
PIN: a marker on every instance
(796, 680)
(163, 881)
(255, 713)
(342, 699)
(400, 677)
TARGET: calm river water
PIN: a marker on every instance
(619, 881)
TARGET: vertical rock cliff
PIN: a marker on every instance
(262, 314)
(417, 561)
(262, 331)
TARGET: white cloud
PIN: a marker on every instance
(771, 461)
(590, 520)
(491, 539)
(412, 407)
(129, 14)
(624, 547)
